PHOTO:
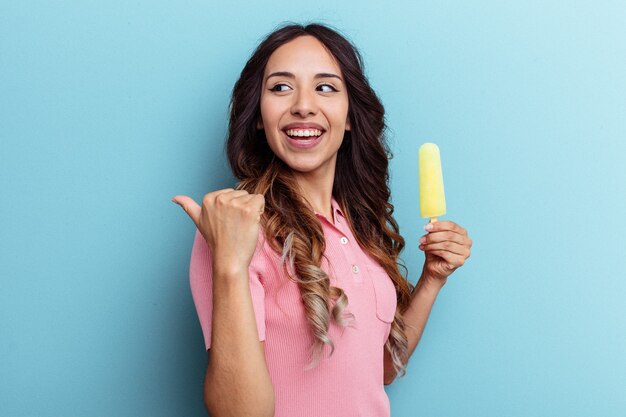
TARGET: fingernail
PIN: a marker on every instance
(174, 201)
(429, 226)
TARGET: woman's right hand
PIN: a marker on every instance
(229, 222)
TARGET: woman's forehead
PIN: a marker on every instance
(303, 55)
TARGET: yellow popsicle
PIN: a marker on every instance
(432, 197)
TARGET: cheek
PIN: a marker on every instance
(273, 138)
(339, 112)
(264, 109)
(270, 109)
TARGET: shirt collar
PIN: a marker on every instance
(335, 208)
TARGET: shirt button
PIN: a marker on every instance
(355, 269)
(343, 240)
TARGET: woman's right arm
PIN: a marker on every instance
(237, 381)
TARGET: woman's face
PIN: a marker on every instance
(303, 96)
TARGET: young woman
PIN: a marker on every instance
(294, 273)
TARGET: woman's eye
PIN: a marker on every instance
(329, 88)
(277, 87)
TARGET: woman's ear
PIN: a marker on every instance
(259, 124)
(347, 124)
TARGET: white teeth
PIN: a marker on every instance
(304, 132)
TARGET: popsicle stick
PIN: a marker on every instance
(433, 220)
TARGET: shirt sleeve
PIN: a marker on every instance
(200, 279)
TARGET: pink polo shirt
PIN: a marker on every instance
(350, 382)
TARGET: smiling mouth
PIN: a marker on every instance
(303, 134)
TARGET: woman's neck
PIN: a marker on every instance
(317, 189)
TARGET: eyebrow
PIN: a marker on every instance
(290, 75)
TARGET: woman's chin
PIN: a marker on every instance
(300, 164)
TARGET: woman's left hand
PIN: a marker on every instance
(446, 246)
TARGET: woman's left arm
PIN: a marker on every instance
(447, 247)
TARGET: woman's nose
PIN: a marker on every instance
(304, 103)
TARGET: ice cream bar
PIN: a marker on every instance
(432, 197)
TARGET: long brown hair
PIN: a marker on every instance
(289, 222)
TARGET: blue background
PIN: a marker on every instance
(108, 109)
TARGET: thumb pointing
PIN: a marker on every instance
(190, 207)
